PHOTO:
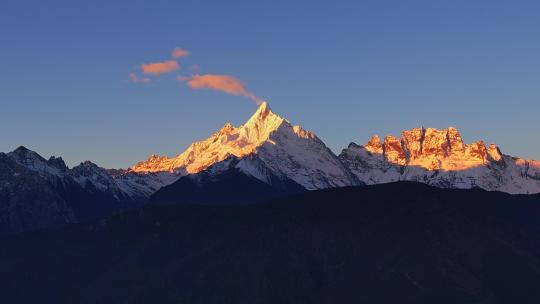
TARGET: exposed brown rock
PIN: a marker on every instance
(374, 145)
(393, 150)
(412, 140)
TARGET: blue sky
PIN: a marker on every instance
(343, 69)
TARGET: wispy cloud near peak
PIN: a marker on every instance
(179, 52)
(217, 82)
(158, 68)
(223, 83)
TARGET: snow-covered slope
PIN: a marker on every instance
(123, 185)
(284, 148)
(440, 158)
(39, 193)
(141, 185)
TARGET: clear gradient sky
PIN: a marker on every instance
(343, 69)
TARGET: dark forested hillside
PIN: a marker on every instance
(392, 243)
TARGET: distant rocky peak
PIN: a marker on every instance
(418, 143)
(21, 149)
(263, 112)
(494, 152)
(58, 163)
(229, 140)
(87, 170)
(22, 153)
(35, 162)
(374, 145)
(87, 164)
(261, 124)
(27, 158)
(430, 147)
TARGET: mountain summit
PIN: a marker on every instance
(286, 149)
(229, 141)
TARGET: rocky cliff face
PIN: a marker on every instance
(29, 200)
(440, 158)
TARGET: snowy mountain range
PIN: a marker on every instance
(435, 157)
(268, 149)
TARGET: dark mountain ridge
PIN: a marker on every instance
(36, 193)
(390, 243)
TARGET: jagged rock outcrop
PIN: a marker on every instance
(440, 158)
(393, 150)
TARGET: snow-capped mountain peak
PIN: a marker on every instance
(55, 166)
(228, 141)
(263, 122)
(286, 148)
